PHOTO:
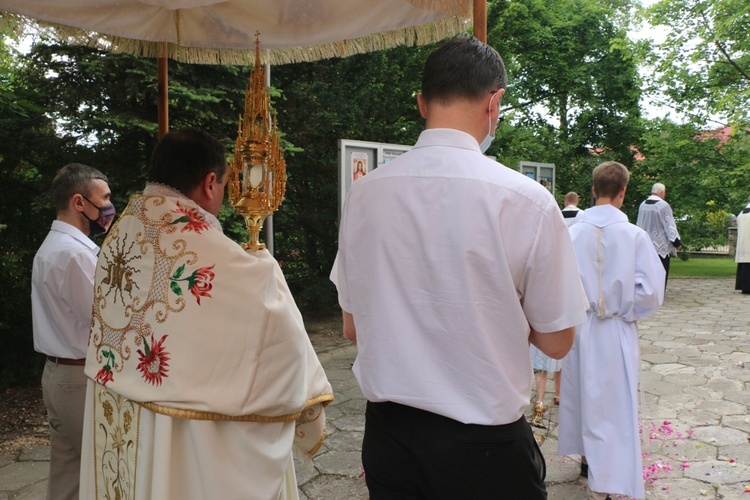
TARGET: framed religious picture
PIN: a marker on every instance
(359, 165)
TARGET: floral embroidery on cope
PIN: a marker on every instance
(153, 364)
(105, 374)
(199, 283)
(194, 219)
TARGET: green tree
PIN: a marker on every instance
(573, 82)
(706, 178)
(703, 65)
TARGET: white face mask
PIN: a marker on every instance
(485, 144)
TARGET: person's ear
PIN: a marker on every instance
(209, 186)
(500, 93)
(422, 104)
(77, 201)
(496, 97)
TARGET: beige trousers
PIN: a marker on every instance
(64, 391)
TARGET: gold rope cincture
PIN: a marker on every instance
(209, 415)
(599, 259)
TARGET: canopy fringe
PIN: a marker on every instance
(410, 36)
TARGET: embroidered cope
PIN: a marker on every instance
(202, 374)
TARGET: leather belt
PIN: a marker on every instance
(66, 361)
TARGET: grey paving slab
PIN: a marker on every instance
(695, 419)
(19, 475)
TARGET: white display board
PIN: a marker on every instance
(358, 158)
(543, 173)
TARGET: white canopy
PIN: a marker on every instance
(222, 31)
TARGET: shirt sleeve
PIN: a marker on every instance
(338, 278)
(77, 286)
(553, 297)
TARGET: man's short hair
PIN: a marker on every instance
(609, 179)
(462, 68)
(571, 198)
(658, 188)
(73, 178)
(183, 158)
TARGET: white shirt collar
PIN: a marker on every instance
(447, 137)
(74, 232)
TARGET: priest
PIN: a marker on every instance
(202, 377)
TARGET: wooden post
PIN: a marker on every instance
(163, 84)
(480, 20)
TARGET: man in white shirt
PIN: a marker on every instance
(655, 217)
(449, 264)
(571, 212)
(62, 294)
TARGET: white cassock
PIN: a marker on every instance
(624, 281)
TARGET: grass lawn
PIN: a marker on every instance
(703, 267)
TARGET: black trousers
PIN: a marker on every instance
(411, 454)
(665, 263)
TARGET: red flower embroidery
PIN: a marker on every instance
(105, 375)
(199, 283)
(194, 219)
(153, 364)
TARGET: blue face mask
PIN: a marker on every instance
(485, 144)
(100, 224)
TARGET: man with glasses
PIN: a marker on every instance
(449, 264)
(62, 293)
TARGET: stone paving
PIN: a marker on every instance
(695, 419)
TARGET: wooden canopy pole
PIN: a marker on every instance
(163, 84)
(480, 20)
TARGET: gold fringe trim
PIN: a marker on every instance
(410, 36)
(209, 415)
